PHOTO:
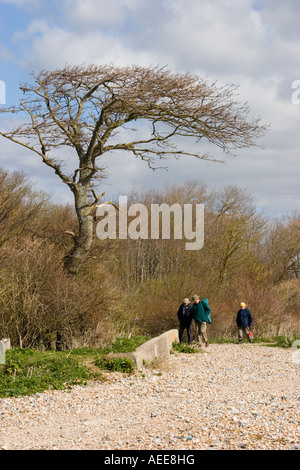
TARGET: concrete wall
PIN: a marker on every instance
(156, 348)
(4, 346)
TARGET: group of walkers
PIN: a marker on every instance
(199, 311)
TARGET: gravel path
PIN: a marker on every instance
(230, 397)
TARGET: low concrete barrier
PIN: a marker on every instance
(155, 349)
(4, 346)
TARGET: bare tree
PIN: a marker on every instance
(84, 107)
(233, 231)
(282, 248)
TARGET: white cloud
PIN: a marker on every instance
(36, 27)
(91, 13)
(225, 40)
(214, 36)
(5, 53)
(58, 47)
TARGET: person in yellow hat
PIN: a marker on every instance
(244, 322)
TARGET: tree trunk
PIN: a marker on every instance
(83, 241)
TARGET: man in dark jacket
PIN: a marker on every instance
(244, 321)
(185, 320)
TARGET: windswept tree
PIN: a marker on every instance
(87, 107)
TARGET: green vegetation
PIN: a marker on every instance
(116, 364)
(275, 341)
(282, 341)
(184, 348)
(28, 371)
(123, 345)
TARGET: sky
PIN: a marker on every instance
(254, 44)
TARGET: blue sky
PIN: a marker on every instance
(253, 44)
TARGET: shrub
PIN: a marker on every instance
(44, 308)
(116, 364)
(182, 348)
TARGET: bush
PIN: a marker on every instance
(44, 308)
(182, 348)
(123, 345)
(284, 341)
(116, 364)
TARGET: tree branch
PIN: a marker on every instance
(48, 161)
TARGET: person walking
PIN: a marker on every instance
(244, 322)
(201, 315)
(185, 320)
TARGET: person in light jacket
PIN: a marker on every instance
(244, 322)
(201, 315)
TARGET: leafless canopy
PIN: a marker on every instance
(149, 112)
(84, 107)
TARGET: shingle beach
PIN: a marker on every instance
(229, 397)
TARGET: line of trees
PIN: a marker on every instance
(135, 286)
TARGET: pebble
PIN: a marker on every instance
(232, 397)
